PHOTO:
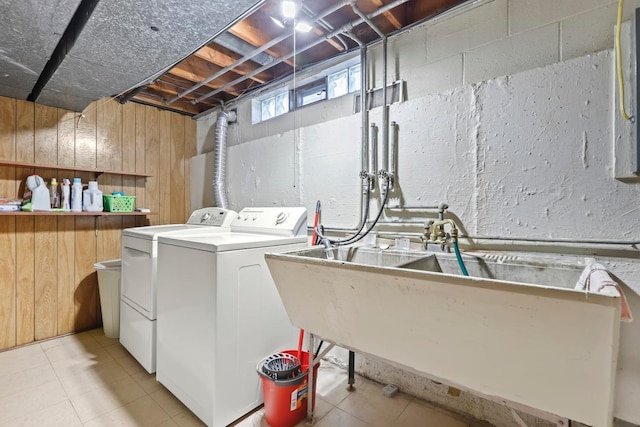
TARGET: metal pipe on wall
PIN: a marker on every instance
(344, 28)
(393, 150)
(373, 143)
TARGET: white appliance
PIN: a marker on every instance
(139, 278)
(226, 315)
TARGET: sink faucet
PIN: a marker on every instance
(434, 232)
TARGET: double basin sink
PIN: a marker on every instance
(515, 330)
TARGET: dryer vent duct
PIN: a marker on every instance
(220, 159)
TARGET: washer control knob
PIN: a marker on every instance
(281, 218)
(206, 217)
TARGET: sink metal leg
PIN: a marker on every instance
(352, 371)
(314, 359)
(310, 377)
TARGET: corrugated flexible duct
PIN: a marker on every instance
(220, 159)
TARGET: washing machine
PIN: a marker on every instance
(226, 314)
(139, 278)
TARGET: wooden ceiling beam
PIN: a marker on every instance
(223, 60)
(332, 42)
(389, 15)
(183, 74)
(169, 91)
(197, 70)
(179, 105)
(252, 34)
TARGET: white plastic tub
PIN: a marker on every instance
(109, 287)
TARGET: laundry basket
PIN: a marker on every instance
(109, 288)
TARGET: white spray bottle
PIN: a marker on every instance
(66, 191)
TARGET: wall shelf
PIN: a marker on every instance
(41, 213)
(97, 172)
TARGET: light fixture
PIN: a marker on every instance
(278, 22)
(303, 27)
(289, 9)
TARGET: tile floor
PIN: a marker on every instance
(90, 380)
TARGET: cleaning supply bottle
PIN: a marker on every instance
(92, 198)
(66, 190)
(54, 197)
(76, 195)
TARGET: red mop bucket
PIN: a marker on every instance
(285, 400)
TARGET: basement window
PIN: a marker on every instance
(271, 106)
(334, 82)
(343, 82)
(310, 94)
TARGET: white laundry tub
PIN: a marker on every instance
(514, 331)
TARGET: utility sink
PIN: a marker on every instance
(515, 330)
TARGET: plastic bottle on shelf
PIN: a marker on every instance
(66, 190)
(92, 198)
(76, 195)
(54, 197)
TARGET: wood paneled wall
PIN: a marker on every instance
(48, 286)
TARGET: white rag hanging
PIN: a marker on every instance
(595, 278)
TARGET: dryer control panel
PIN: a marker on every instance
(284, 221)
(215, 217)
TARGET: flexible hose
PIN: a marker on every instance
(456, 249)
(623, 110)
(357, 237)
(320, 231)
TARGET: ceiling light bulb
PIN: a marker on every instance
(303, 27)
(289, 9)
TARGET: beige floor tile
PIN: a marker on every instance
(338, 417)
(131, 365)
(169, 423)
(84, 339)
(369, 404)
(24, 379)
(147, 381)
(99, 375)
(255, 419)
(60, 414)
(102, 400)
(74, 348)
(104, 341)
(22, 359)
(332, 383)
(168, 402)
(117, 351)
(321, 409)
(20, 353)
(187, 419)
(28, 401)
(143, 412)
(76, 363)
(424, 415)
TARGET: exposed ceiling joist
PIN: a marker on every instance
(255, 51)
(391, 17)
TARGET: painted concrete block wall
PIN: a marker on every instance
(510, 118)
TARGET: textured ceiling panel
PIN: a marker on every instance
(118, 49)
(29, 32)
(84, 82)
